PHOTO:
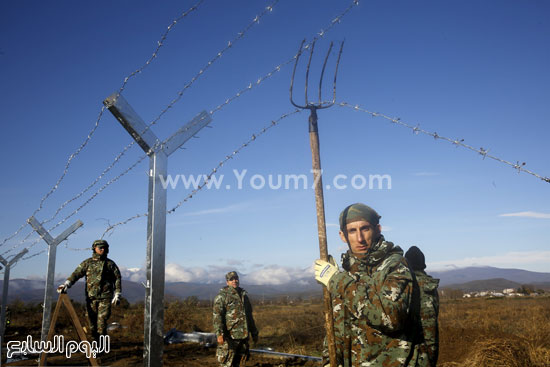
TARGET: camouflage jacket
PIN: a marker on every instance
(102, 277)
(429, 312)
(232, 314)
(372, 300)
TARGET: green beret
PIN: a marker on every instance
(100, 243)
(231, 274)
(356, 212)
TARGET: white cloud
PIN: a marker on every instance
(528, 214)
(260, 274)
(511, 259)
(132, 274)
(225, 209)
(178, 273)
(276, 274)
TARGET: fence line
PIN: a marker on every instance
(207, 178)
(188, 85)
(160, 43)
(251, 85)
(520, 167)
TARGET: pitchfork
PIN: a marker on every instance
(317, 174)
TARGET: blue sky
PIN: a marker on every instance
(468, 70)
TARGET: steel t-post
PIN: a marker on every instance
(50, 277)
(158, 153)
(7, 267)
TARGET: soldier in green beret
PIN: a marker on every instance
(103, 287)
(375, 299)
(233, 323)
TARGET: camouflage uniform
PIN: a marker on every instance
(429, 311)
(102, 281)
(429, 303)
(373, 302)
(232, 318)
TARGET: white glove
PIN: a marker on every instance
(116, 299)
(324, 271)
(63, 287)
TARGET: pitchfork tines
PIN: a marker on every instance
(313, 106)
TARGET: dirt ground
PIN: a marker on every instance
(473, 333)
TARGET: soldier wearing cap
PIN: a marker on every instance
(233, 322)
(375, 299)
(429, 302)
(103, 287)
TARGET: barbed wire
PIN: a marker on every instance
(213, 171)
(520, 167)
(22, 242)
(77, 248)
(160, 43)
(230, 43)
(107, 184)
(230, 156)
(155, 147)
(251, 85)
(239, 36)
(279, 67)
(34, 255)
(47, 247)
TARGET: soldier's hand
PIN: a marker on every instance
(63, 287)
(116, 299)
(324, 271)
(220, 340)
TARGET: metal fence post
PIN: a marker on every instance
(158, 152)
(7, 267)
(50, 277)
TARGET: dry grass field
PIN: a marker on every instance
(504, 332)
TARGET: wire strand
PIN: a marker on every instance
(207, 178)
(160, 43)
(239, 36)
(457, 142)
(278, 68)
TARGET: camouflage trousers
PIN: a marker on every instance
(99, 311)
(232, 352)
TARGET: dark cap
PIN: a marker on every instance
(100, 243)
(231, 274)
(416, 259)
(356, 212)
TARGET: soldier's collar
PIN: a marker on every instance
(97, 256)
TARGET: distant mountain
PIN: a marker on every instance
(497, 285)
(471, 278)
(33, 290)
(469, 274)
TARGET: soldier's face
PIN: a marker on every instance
(99, 250)
(362, 235)
(233, 282)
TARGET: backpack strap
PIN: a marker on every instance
(414, 321)
(414, 329)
